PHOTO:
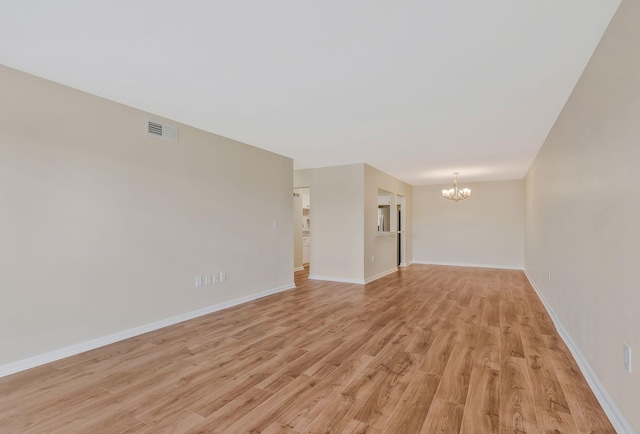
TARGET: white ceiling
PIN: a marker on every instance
(418, 89)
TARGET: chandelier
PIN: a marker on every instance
(456, 193)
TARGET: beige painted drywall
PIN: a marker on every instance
(582, 211)
(336, 229)
(486, 229)
(383, 248)
(104, 229)
(302, 178)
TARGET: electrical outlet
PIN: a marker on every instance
(627, 357)
(198, 281)
(275, 225)
(216, 278)
(373, 258)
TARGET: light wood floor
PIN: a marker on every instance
(429, 349)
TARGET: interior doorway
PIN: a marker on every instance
(302, 228)
(399, 235)
(401, 228)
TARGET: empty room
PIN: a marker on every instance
(319, 217)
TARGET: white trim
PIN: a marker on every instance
(454, 264)
(357, 281)
(41, 359)
(612, 411)
(379, 275)
(336, 279)
(301, 268)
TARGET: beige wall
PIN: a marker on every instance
(486, 229)
(104, 229)
(383, 248)
(302, 178)
(336, 228)
(582, 211)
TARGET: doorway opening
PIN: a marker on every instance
(401, 228)
(399, 235)
(302, 228)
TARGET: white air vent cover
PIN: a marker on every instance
(162, 130)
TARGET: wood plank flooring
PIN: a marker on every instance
(429, 349)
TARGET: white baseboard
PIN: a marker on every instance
(357, 281)
(336, 279)
(298, 269)
(455, 264)
(379, 275)
(612, 411)
(72, 350)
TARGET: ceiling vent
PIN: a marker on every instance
(162, 130)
